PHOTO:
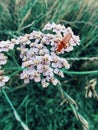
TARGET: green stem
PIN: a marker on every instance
(82, 58)
(7, 98)
(12, 55)
(14, 59)
(74, 107)
(16, 72)
(25, 127)
(14, 68)
(81, 72)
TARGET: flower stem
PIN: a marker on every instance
(14, 68)
(80, 72)
(82, 58)
(25, 127)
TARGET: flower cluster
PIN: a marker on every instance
(61, 31)
(40, 59)
(3, 78)
(5, 46)
(41, 65)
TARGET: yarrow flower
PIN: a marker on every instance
(3, 59)
(3, 78)
(39, 52)
(5, 46)
(67, 44)
(39, 56)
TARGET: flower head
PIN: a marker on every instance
(38, 53)
(3, 80)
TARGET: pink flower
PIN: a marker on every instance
(3, 80)
(44, 83)
(25, 75)
(40, 57)
(3, 59)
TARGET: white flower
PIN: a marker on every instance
(46, 59)
(58, 72)
(39, 53)
(25, 75)
(43, 51)
(5, 46)
(24, 39)
(47, 27)
(39, 46)
(37, 76)
(44, 83)
(48, 72)
(56, 62)
(57, 28)
(40, 57)
(1, 72)
(53, 48)
(69, 48)
(54, 81)
(34, 50)
(34, 75)
(23, 51)
(30, 53)
(3, 59)
(27, 63)
(40, 68)
(35, 35)
(3, 80)
(36, 61)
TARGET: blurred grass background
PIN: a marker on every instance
(40, 108)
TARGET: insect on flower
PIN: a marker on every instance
(63, 43)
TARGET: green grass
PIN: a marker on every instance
(40, 108)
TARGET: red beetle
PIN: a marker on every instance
(63, 43)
